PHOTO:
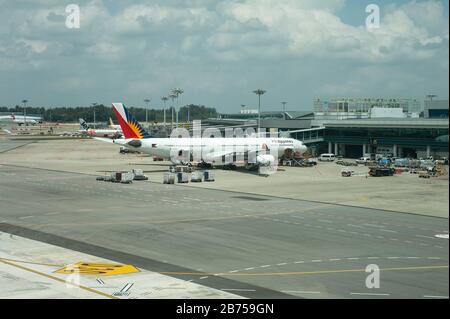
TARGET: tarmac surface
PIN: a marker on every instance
(254, 246)
(322, 183)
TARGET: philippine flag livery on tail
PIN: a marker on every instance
(130, 126)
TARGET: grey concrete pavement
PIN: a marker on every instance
(214, 237)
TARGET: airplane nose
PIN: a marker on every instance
(303, 149)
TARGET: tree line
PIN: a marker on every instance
(103, 113)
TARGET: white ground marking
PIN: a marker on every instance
(300, 292)
(421, 236)
(351, 225)
(437, 297)
(368, 294)
(388, 230)
(248, 290)
(332, 259)
(443, 236)
(372, 225)
(25, 217)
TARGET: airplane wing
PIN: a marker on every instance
(7, 131)
(107, 140)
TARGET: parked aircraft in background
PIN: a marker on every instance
(21, 119)
(113, 126)
(110, 133)
(219, 151)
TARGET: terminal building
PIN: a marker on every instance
(353, 127)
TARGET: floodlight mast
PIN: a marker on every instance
(259, 92)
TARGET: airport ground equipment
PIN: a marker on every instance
(381, 171)
(424, 174)
(347, 173)
(182, 177)
(346, 163)
(104, 178)
(139, 175)
(124, 150)
(209, 176)
(120, 177)
(371, 163)
(298, 162)
(197, 177)
(401, 162)
(441, 170)
(169, 178)
(181, 169)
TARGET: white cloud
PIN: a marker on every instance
(212, 46)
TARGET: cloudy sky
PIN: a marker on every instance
(219, 51)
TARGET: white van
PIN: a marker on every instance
(327, 157)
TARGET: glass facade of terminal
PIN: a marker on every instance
(406, 135)
(364, 105)
(398, 141)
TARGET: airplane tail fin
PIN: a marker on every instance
(83, 124)
(131, 128)
(111, 124)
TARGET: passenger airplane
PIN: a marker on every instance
(20, 119)
(111, 133)
(255, 151)
(113, 126)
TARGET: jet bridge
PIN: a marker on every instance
(307, 136)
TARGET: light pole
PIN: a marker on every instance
(25, 111)
(95, 121)
(259, 92)
(146, 110)
(172, 97)
(284, 109)
(177, 92)
(164, 99)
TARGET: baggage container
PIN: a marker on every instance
(209, 176)
(169, 178)
(127, 178)
(197, 177)
(139, 175)
(182, 177)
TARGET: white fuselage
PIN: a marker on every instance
(209, 149)
(20, 119)
(103, 132)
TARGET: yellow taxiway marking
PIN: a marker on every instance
(99, 269)
(302, 273)
(57, 279)
(31, 262)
